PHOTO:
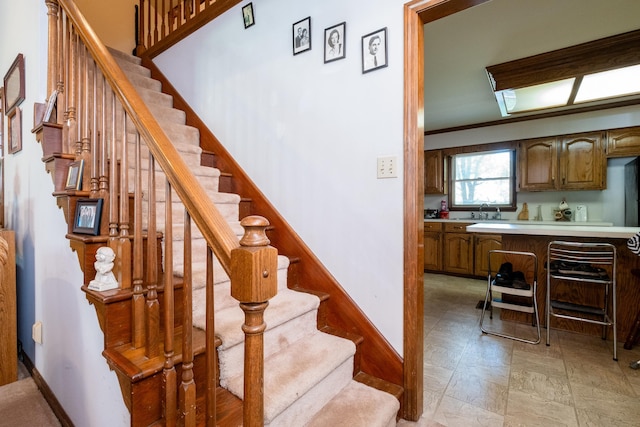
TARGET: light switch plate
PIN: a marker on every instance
(387, 167)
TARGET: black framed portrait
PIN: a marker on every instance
(87, 217)
(247, 15)
(374, 50)
(334, 42)
(301, 36)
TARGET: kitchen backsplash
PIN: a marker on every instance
(602, 206)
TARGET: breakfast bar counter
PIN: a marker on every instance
(536, 238)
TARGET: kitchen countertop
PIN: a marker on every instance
(565, 229)
(523, 222)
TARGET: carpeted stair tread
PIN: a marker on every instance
(358, 405)
(284, 306)
(293, 374)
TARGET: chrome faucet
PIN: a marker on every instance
(484, 215)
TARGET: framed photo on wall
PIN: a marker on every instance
(15, 131)
(74, 175)
(14, 85)
(374, 50)
(247, 15)
(334, 42)
(302, 36)
(87, 217)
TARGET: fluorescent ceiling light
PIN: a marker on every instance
(609, 84)
(546, 95)
(562, 78)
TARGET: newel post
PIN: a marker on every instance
(253, 282)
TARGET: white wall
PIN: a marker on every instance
(606, 205)
(309, 133)
(48, 272)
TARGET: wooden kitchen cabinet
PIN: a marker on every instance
(623, 142)
(457, 252)
(433, 246)
(571, 162)
(434, 172)
(538, 164)
(483, 244)
(583, 165)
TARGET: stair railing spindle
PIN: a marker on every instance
(169, 377)
(212, 354)
(71, 112)
(105, 136)
(93, 187)
(138, 303)
(152, 333)
(79, 100)
(53, 47)
(156, 22)
(124, 243)
(187, 393)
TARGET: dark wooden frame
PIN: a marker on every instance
(341, 29)
(306, 22)
(14, 131)
(1, 121)
(248, 16)
(74, 175)
(366, 39)
(14, 85)
(93, 228)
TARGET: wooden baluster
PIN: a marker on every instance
(93, 185)
(153, 306)
(124, 243)
(169, 376)
(105, 136)
(212, 355)
(253, 283)
(138, 305)
(156, 22)
(54, 54)
(140, 48)
(148, 30)
(80, 98)
(114, 240)
(70, 114)
(187, 392)
(163, 28)
(63, 72)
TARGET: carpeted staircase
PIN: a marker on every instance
(308, 373)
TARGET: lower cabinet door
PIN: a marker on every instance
(458, 253)
(485, 243)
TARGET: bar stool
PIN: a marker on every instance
(578, 264)
(527, 293)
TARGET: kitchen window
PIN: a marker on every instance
(486, 177)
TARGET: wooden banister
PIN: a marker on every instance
(207, 218)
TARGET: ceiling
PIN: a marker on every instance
(460, 46)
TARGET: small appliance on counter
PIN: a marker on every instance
(580, 213)
(431, 214)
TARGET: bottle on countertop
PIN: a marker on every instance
(444, 211)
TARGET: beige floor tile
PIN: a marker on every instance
(473, 387)
(546, 387)
(538, 362)
(605, 377)
(455, 413)
(436, 378)
(598, 407)
(524, 409)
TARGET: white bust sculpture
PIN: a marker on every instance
(105, 280)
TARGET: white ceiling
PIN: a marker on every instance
(460, 46)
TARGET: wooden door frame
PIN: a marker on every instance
(416, 14)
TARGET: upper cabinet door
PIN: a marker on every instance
(582, 162)
(623, 142)
(434, 182)
(538, 164)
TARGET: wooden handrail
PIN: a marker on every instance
(204, 214)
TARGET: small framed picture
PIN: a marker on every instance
(247, 15)
(334, 42)
(14, 85)
(302, 36)
(87, 218)
(374, 50)
(15, 131)
(74, 175)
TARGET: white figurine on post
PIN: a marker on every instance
(105, 280)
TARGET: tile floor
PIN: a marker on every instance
(474, 379)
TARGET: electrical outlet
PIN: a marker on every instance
(36, 332)
(387, 167)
